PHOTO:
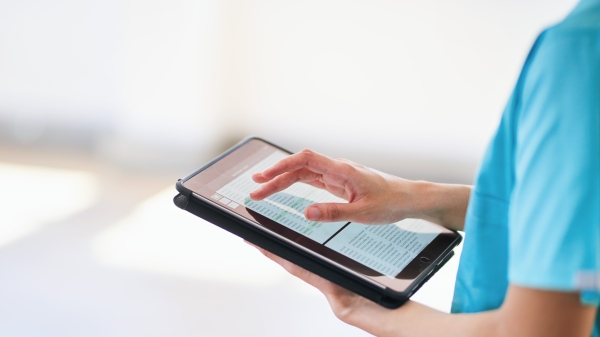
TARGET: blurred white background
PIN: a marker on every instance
(104, 104)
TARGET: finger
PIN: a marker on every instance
(315, 162)
(259, 178)
(317, 184)
(282, 182)
(338, 191)
(333, 212)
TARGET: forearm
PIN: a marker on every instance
(417, 320)
(525, 312)
(443, 204)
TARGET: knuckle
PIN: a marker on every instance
(333, 212)
(364, 216)
(306, 156)
(343, 313)
(350, 168)
(342, 308)
(350, 163)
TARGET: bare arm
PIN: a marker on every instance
(526, 312)
(377, 198)
(444, 204)
(373, 197)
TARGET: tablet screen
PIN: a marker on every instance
(384, 252)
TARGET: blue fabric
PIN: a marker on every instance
(534, 215)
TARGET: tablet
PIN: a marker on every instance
(385, 263)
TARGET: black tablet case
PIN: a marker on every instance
(385, 297)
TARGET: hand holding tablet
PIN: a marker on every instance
(313, 211)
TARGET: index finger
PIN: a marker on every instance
(314, 161)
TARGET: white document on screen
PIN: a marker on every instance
(286, 207)
(386, 249)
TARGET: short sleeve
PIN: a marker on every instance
(554, 215)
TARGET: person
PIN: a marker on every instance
(531, 255)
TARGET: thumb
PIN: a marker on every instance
(331, 212)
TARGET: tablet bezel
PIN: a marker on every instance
(415, 271)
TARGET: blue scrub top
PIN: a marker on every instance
(534, 215)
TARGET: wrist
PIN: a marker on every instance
(413, 199)
(444, 204)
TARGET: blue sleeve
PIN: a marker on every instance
(554, 216)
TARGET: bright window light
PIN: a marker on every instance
(34, 196)
(158, 237)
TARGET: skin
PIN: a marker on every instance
(378, 198)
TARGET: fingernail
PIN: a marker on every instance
(313, 213)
